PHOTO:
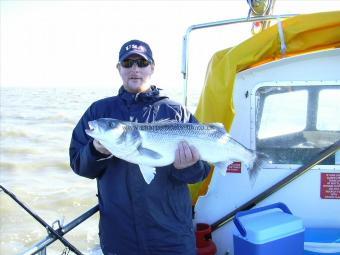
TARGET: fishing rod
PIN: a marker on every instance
(42, 222)
(322, 155)
(41, 245)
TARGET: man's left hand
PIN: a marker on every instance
(186, 155)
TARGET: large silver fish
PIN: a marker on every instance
(154, 144)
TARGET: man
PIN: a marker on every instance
(136, 217)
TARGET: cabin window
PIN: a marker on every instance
(294, 123)
(285, 119)
(327, 113)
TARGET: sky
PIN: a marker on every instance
(59, 43)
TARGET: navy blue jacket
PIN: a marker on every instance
(135, 217)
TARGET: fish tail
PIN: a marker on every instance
(258, 162)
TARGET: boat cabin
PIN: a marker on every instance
(277, 93)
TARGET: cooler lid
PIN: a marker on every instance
(270, 225)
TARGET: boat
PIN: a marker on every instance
(277, 93)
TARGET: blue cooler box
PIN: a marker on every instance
(320, 241)
(268, 230)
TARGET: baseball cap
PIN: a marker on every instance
(135, 47)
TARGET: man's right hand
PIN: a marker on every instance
(99, 147)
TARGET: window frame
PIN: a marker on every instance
(253, 112)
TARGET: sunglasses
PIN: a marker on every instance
(127, 63)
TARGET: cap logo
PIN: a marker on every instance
(136, 47)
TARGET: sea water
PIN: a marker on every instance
(35, 130)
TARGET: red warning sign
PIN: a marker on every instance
(330, 186)
(234, 168)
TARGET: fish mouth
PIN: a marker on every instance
(89, 131)
(91, 125)
(91, 128)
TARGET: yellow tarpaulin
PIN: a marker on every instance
(302, 34)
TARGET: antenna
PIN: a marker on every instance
(260, 8)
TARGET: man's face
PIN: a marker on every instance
(135, 79)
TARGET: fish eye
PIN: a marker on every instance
(112, 124)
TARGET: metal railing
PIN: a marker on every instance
(185, 49)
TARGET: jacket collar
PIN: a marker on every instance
(152, 95)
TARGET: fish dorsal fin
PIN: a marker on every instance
(164, 121)
(148, 173)
(216, 124)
